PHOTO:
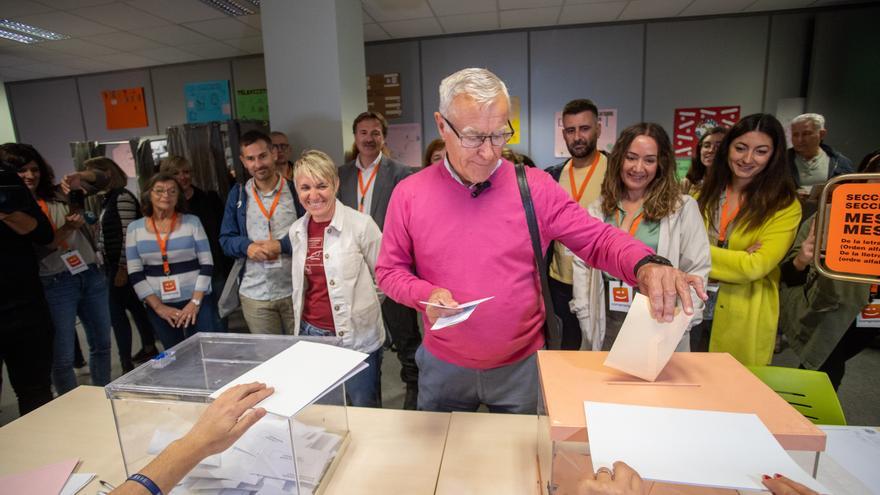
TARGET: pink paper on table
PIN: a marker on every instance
(46, 480)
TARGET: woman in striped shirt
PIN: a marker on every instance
(170, 265)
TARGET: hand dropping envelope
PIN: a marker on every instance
(644, 345)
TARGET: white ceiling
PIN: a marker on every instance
(111, 35)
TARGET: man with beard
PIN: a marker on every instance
(581, 176)
(365, 184)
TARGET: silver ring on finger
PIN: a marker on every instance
(604, 470)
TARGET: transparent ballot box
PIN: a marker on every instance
(691, 380)
(159, 401)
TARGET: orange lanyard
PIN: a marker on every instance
(635, 225)
(271, 212)
(725, 218)
(163, 243)
(578, 193)
(45, 208)
(365, 188)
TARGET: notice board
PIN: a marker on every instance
(383, 94)
(125, 108)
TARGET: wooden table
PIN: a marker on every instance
(391, 451)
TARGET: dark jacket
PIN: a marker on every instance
(389, 174)
(21, 285)
(209, 208)
(233, 231)
(838, 164)
(111, 226)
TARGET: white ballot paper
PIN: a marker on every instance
(324, 365)
(644, 345)
(693, 447)
(447, 321)
(857, 449)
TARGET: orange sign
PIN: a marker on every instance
(74, 261)
(854, 230)
(169, 286)
(621, 294)
(871, 312)
(125, 108)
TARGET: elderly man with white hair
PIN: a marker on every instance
(458, 232)
(812, 161)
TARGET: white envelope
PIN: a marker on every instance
(644, 345)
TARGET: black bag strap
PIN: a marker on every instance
(552, 329)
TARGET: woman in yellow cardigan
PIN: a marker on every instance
(751, 211)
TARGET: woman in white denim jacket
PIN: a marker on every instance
(640, 194)
(334, 251)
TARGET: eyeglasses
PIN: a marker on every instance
(163, 192)
(475, 141)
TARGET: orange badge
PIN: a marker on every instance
(621, 294)
(871, 312)
(169, 285)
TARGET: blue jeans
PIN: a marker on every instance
(365, 388)
(207, 320)
(83, 295)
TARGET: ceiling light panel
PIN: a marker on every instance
(234, 7)
(21, 38)
(38, 34)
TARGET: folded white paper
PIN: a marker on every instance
(300, 374)
(77, 482)
(644, 345)
(466, 310)
(858, 449)
(693, 447)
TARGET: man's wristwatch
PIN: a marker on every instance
(198, 302)
(651, 258)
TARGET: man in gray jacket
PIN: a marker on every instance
(365, 184)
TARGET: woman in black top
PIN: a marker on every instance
(119, 208)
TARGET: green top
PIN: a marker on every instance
(648, 231)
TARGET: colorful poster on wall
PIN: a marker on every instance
(405, 143)
(515, 120)
(608, 119)
(207, 101)
(383, 94)
(125, 108)
(853, 231)
(691, 123)
(252, 104)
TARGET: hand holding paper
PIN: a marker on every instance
(644, 345)
(463, 312)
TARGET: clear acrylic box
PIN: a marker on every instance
(159, 401)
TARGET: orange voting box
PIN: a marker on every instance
(125, 108)
(691, 380)
(854, 230)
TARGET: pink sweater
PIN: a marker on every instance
(437, 236)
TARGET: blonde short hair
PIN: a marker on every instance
(318, 166)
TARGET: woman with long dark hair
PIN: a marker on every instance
(751, 211)
(707, 147)
(73, 284)
(640, 195)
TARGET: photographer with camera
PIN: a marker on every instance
(26, 332)
(72, 282)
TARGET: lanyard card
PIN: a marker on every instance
(169, 288)
(74, 262)
(272, 264)
(620, 296)
(869, 316)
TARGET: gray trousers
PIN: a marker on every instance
(445, 387)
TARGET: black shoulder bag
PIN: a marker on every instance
(552, 325)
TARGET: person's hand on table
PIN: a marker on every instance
(622, 480)
(227, 418)
(780, 485)
(664, 284)
(444, 297)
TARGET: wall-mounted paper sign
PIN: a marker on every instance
(690, 124)
(125, 108)
(252, 104)
(383, 94)
(207, 101)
